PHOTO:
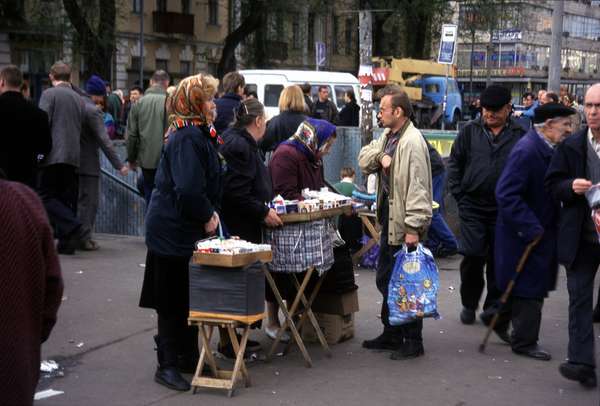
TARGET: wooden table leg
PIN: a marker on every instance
(375, 236)
(288, 315)
(309, 313)
(240, 348)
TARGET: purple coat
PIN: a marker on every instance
(526, 210)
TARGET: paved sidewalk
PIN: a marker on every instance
(103, 340)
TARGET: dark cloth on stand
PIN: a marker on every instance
(32, 290)
(246, 187)
(280, 128)
(25, 136)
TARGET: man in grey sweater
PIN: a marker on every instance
(58, 179)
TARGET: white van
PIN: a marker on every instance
(268, 85)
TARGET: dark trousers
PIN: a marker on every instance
(410, 331)
(580, 284)
(58, 189)
(526, 317)
(439, 234)
(87, 205)
(148, 176)
(477, 246)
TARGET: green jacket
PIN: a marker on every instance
(410, 197)
(146, 127)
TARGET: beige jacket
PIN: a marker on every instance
(410, 183)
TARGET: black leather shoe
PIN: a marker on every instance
(535, 352)
(410, 349)
(584, 374)
(171, 378)
(467, 316)
(384, 342)
(487, 315)
(596, 314)
(503, 335)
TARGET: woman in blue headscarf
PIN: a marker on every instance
(297, 163)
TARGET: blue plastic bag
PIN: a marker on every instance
(413, 286)
(371, 257)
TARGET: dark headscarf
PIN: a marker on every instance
(311, 136)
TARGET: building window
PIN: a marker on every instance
(135, 62)
(137, 6)
(213, 12)
(334, 37)
(296, 37)
(213, 67)
(185, 6)
(161, 6)
(311, 31)
(185, 68)
(348, 34)
(162, 64)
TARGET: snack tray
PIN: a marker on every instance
(231, 261)
(315, 215)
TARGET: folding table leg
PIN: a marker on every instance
(239, 350)
(309, 313)
(288, 314)
(212, 363)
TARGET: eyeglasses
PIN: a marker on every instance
(589, 106)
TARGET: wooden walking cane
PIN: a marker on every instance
(509, 288)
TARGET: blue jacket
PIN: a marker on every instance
(226, 104)
(188, 188)
(569, 163)
(525, 211)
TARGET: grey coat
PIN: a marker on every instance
(94, 135)
(65, 112)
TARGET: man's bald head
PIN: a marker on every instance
(592, 107)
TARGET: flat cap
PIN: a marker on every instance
(551, 110)
(494, 97)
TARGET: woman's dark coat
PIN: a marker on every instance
(292, 170)
(348, 116)
(526, 211)
(247, 186)
(280, 128)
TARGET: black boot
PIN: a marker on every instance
(387, 341)
(410, 349)
(166, 372)
(188, 354)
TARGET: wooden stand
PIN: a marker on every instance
(293, 311)
(220, 379)
(370, 223)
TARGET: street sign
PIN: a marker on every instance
(321, 54)
(447, 44)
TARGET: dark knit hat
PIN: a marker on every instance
(95, 86)
(551, 110)
(494, 97)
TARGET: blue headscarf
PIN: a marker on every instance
(311, 136)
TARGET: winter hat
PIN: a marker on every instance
(551, 110)
(95, 86)
(494, 97)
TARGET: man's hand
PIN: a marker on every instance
(212, 224)
(411, 240)
(272, 219)
(580, 186)
(386, 162)
(124, 170)
(132, 166)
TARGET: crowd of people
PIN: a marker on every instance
(204, 172)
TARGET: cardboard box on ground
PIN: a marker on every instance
(335, 314)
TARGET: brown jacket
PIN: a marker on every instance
(410, 182)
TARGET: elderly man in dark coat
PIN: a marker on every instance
(478, 156)
(574, 169)
(527, 212)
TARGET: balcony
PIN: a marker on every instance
(173, 23)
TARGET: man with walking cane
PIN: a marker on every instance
(527, 213)
(574, 169)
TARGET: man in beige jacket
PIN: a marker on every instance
(401, 159)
